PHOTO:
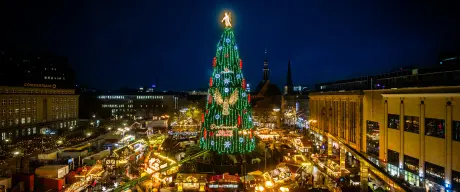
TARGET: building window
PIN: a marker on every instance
(372, 138)
(411, 124)
(3, 123)
(23, 101)
(33, 119)
(455, 179)
(434, 127)
(34, 101)
(16, 102)
(3, 112)
(16, 111)
(28, 119)
(393, 157)
(10, 112)
(16, 121)
(393, 121)
(23, 120)
(10, 101)
(434, 173)
(10, 122)
(456, 130)
(3, 102)
(28, 101)
(411, 164)
(34, 130)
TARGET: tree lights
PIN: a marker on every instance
(227, 126)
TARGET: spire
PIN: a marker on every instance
(289, 86)
(266, 55)
(266, 70)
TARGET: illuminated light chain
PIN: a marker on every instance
(232, 131)
(226, 102)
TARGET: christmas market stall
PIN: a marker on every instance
(224, 182)
(196, 182)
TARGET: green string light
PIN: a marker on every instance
(227, 67)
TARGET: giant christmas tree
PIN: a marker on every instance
(227, 122)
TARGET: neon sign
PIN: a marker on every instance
(214, 126)
(224, 133)
(216, 186)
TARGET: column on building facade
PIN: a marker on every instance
(343, 155)
(359, 126)
(347, 120)
(339, 118)
(329, 115)
(364, 173)
(422, 141)
(385, 130)
(401, 133)
(329, 147)
(448, 144)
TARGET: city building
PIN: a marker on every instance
(19, 68)
(266, 101)
(37, 95)
(137, 106)
(294, 103)
(407, 121)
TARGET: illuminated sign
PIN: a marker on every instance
(214, 126)
(224, 133)
(216, 186)
(40, 85)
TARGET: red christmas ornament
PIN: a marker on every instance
(210, 82)
(202, 117)
(241, 64)
(243, 82)
(204, 133)
(209, 99)
(226, 55)
(211, 133)
(214, 61)
(207, 111)
(249, 98)
(239, 120)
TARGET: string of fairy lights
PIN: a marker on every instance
(227, 121)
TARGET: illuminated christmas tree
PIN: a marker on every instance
(227, 121)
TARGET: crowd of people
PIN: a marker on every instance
(41, 143)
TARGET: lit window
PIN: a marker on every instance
(434, 127)
(23, 120)
(3, 123)
(16, 121)
(28, 119)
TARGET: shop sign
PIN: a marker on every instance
(40, 85)
(224, 133)
(214, 126)
(224, 186)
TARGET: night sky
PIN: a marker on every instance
(113, 43)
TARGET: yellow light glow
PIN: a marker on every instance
(268, 184)
(227, 20)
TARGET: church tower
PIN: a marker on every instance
(288, 88)
(266, 70)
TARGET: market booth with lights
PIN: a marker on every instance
(186, 182)
(223, 182)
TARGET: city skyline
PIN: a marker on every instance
(111, 48)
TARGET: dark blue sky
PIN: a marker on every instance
(113, 43)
